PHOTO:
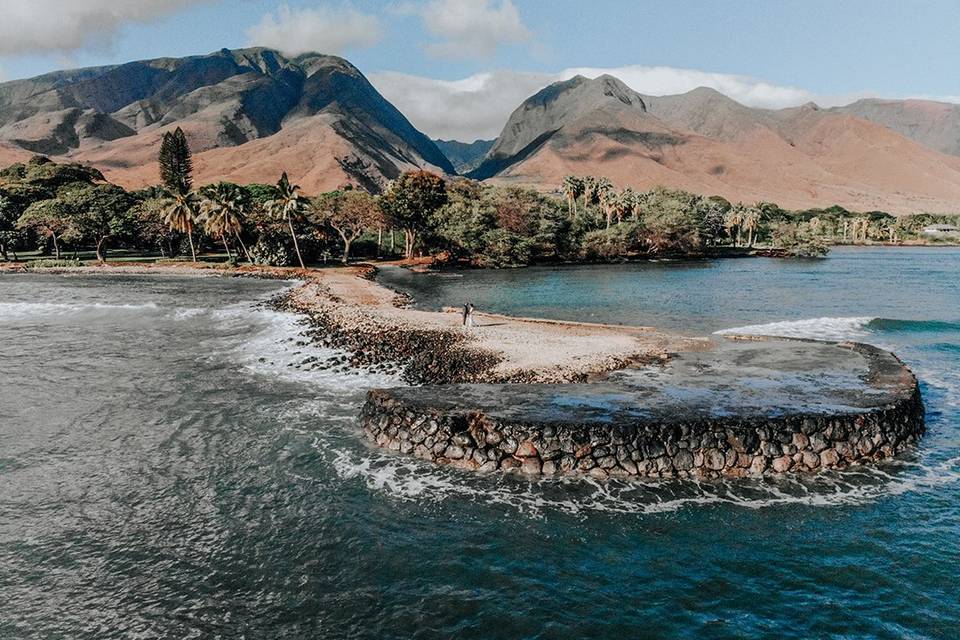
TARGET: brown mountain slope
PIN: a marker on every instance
(705, 142)
(933, 124)
(230, 104)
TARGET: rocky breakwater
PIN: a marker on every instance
(744, 408)
(375, 329)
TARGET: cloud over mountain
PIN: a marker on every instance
(331, 30)
(39, 26)
(478, 106)
(469, 28)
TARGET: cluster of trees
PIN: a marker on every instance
(58, 207)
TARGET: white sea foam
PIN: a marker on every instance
(842, 328)
(280, 348)
(21, 310)
(409, 479)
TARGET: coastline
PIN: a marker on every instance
(349, 310)
(522, 405)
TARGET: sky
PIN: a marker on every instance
(457, 68)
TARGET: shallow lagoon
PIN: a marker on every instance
(167, 468)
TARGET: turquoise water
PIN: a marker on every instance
(170, 468)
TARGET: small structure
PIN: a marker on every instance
(937, 229)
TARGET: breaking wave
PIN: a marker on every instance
(21, 310)
(850, 328)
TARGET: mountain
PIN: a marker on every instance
(934, 124)
(249, 114)
(563, 114)
(465, 156)
(705, 142)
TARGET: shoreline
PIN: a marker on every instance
(349, 310)
(544, 397)
(374, 323)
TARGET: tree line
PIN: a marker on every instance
(59, 208)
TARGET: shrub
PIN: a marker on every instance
(53, 264)
(270, 251)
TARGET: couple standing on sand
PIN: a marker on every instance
(468, 315)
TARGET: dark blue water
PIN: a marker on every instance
(168, 468)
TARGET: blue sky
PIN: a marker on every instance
(766, 53)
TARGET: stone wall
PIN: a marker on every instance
(705, 449)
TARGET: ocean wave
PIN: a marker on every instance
(17, 310)
(841, 328)
(280, 348)
(894, 325)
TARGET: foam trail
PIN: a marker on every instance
(842, 328)
(281, 349)
(409, 479)
(19, 310)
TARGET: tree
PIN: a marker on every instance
(176, 162)
(411, 201)
(606, 196)
(181, 212)
(152, 229)
(626, 203)
(734, 220)
(223, 208)
(349, 213)
(799, 239)
(50, 218)
(100, 212)
(751, 222)
(9, 213)
(288, 204)
(572, 188)
(589, 190)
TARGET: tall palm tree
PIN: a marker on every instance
(752, 217)
(289, 204)
(606, 196)
(180, 214)
(626, 203)
(223, 209)
(734, 220)
(572, 187)
(589, 190)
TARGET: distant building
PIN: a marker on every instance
(935, 229)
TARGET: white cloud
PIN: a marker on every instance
(324, 29)
(475, 107)
(40, 26)
(661, 81)
(469, 28)
(478, 106)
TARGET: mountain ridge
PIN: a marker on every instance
(706, 142)
(227, 99)
(252, 113)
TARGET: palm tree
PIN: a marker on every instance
(859, 229)
(289, 204)
(626, 203)
(752, 217)
(572, 187)
(180, 214)
(606, 196)
(589, 191)
(734, 220)
(223, 209)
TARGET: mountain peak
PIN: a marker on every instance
(227, 98)
(604, 101)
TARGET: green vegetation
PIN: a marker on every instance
(60, 212)
(176, 162)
